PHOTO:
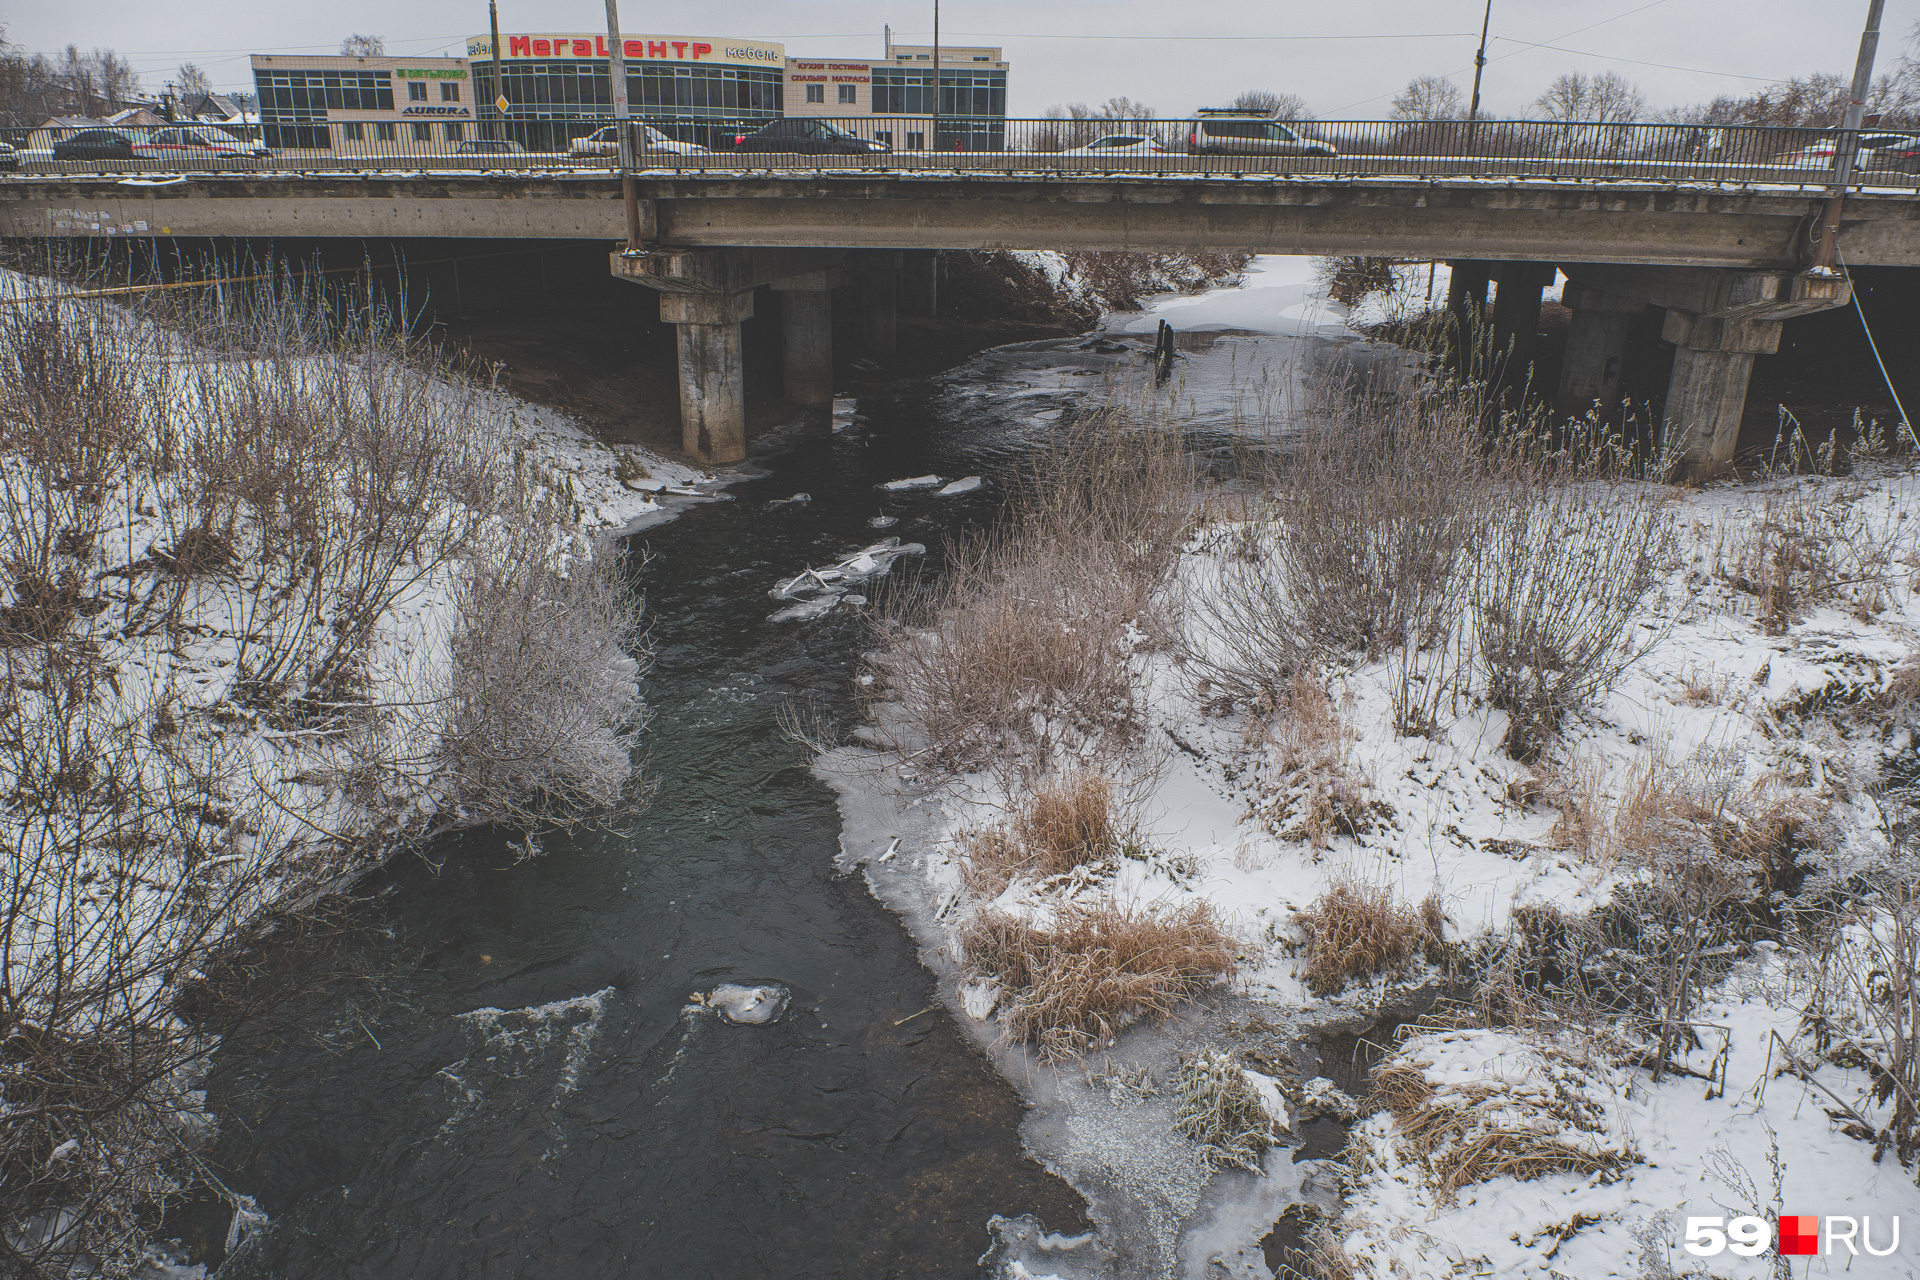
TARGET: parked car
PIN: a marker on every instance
(98, 144)
(196, 140)
(489, 147)
(1875, 151)
(1119, 144)
(9, 157)
(807, 137)
(1225, 132)
(607, 143)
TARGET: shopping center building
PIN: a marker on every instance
(704, 89)
(363, 105)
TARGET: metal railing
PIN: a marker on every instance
(1662, 154)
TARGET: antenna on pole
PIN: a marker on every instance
(1479, 65)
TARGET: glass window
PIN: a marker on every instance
(455, 131)
(385, 132)
(449, 92)
(353, 132)
(416, 91)
(848, 93)
(816, 93)
(422, 131)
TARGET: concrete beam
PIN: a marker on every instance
(1598, 222)
(1719, 293)
(722, 270)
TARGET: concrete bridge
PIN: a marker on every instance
(1724, 259)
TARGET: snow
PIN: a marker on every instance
(970, 484)
(1279, 295)
(749, 1006)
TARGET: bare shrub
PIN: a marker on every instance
(1563, 571)
(1354, 931)
(1067, 822)
(1865, 1007)
(1222, 1110)
(1096, 968)
(1021, 650)
(1800, 552)
(543, 704)
(1309, 786)
(1364, 548)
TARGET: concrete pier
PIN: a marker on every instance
(920, 283)
(879, 301)
(1592, 373)
(1516, 318)
(806, 331)
(713, 388)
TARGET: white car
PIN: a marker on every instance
(607, 143)
(1874, 151)
(196, 141)
(1119, 144)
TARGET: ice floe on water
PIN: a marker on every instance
(967, 485)
(749, 1006)
(815, 592)
(911, 483)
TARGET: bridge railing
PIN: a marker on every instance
(1331, 149)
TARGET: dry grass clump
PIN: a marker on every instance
(1096, 968)
(1311, 788)
(1069, 821)
(1541, 1111)
(1354, 931)
(1021, 650)
(1220, 1109)
(1802, 551)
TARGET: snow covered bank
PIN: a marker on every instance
(1614, 763)
(279, 600)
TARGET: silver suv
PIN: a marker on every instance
(1228, 132)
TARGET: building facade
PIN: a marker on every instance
(891, 98)
(364, 106)
(702, 89)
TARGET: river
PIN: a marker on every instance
(489, 1066)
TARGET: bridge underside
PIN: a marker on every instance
(1492, 220)
(1722, 263)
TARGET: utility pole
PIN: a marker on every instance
(1848, 141)
(499, 85)
(617, 69)
(1479, 65)
(935, 140)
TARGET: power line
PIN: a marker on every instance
(1638, 62)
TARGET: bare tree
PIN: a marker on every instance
(1608, 98)
(1429, 98)
(1281, 106)
(1124, 109)
(191, 82)
(359, 46)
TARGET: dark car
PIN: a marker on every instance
(95, 144)
(806, 137)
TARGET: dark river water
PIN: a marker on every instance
(488, 1069)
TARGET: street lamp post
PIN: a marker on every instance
(1849, 140)
(617, 69)
(935, 140)
(499, 85)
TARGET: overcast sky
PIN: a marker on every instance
(1345, 59)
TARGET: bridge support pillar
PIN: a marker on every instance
(1591, 373)
(1467, 306)
(879, 300)
(1707, 391)
(1516, 317)
(713, 388)
(806, 326)
(920, 283)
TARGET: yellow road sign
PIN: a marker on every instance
(502, 103)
